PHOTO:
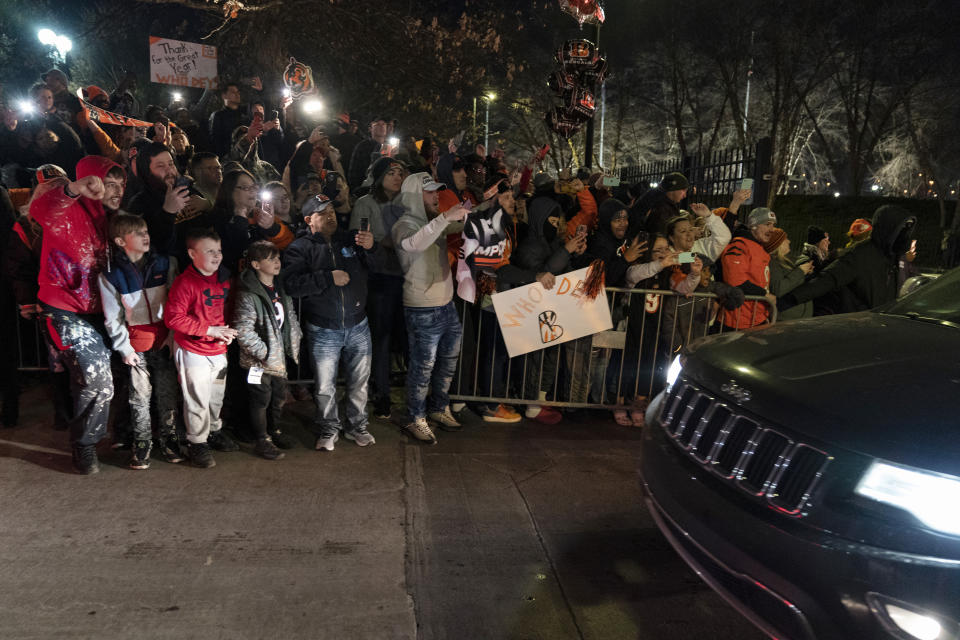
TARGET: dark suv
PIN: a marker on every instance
(810, 471)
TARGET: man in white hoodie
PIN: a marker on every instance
(433, 328)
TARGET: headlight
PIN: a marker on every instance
(674, 371)
(930, 497)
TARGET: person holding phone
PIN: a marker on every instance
(865, 276)
(786, 275)
(385, 302)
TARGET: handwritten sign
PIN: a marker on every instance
(533, 318)
(185, 64)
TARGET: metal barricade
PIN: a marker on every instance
(601, 371)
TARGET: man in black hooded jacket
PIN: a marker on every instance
(866, 275)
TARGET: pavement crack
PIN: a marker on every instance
(549, 557)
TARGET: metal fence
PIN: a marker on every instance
(713, 177)
(605, 370)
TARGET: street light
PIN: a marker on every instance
(488, 98)
(61, 43)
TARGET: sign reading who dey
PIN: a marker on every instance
(533, 318)
(184, 64)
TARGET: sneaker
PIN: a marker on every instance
(446, 420)
(458, 406)
(501, 414)
(420, 430)
(219, 441)
(200, 455)
(326, 442)
(85, 459)
(266, 449)
(381, 408)
(543, 415)
(283, 440)
(141, 454)
(168, 449)
(361, 436)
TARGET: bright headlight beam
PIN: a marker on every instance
(674, 371)
(930, 497)
(916, 624)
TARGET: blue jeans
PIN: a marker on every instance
(328, 347)
(434, 334)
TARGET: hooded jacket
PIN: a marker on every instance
(134, 300)
(605, 246)
(263, 341)
(421, 246)
(536, 254)
(308, 266)
(866, 275)
(74, 249)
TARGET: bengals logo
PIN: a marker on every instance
(298, 77)
(550, 331)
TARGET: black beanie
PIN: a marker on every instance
(674, 182)
(815, 234)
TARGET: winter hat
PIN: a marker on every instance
(859, 227)
(380, 167)
(777, 237)
(45, 173)
(54, 73)
(674, 182)
(815, 234)
(729, 297)
(761, 215)
(543, 181)
(93, 91)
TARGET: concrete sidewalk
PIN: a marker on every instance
(498, 531)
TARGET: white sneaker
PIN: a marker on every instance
(446, 420)
(459, 406)
(325, 443)
(420, 430)
(361, 436)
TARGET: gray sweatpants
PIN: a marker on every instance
(203, 382)
(154, 378)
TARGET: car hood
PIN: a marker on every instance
(884, 386)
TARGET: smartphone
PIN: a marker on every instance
(257, 117)
(364, 224)
(747, 183)
(913, 246)
(267, 207)
(642, 236)
(274, 115)
(582, 230)
(181, 181)
(611, 181)
(686, 257)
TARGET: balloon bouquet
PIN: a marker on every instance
(580, 69)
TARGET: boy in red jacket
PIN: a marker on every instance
(195, 313)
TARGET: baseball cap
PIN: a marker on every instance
(428, 183)
(315, 204)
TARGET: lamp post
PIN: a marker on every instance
(60, 42)
(488, 98)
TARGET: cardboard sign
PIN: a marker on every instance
(184, 64)
(533, 318)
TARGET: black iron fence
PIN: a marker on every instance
(713, 177)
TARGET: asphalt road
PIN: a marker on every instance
(499, 531)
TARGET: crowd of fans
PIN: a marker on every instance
(195, 265)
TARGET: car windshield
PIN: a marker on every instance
(938, 301)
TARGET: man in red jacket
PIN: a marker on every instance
(73, 254)
(746, 265)
(195, 312)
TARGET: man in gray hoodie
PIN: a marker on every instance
(433, 328)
